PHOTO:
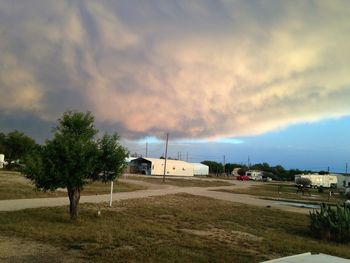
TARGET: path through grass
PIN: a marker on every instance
(181, 182)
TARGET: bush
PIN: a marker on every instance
(331, 224)
(347, 195)
(305, 182)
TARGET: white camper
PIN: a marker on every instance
(2, 161)
(318, 180)
(254, 175)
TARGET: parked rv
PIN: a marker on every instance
(254, 175)
(266, 178)
(318, 180)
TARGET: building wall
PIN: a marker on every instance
(200, 169)
(173, 167)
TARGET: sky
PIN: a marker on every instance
(264, 79)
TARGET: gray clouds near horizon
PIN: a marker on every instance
(198, 69)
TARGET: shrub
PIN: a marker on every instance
(320, 189)
(331, 224)
(305, 182)
(347, 195)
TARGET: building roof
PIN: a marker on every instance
(199, 164)
(129, 159)
(169, 161)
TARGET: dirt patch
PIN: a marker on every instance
(233, 238)
(223, 234)
(197, 232)
(14, 249)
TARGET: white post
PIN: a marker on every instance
(111, 196)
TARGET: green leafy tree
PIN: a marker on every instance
(2, 142)
(323, 172)
(242, 171)
(17, 146)
(303, 182)
(230, 166)
(214, 167)
(110, 159)
(74, 157)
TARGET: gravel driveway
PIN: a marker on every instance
(154, 190)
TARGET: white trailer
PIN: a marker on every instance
(2, 161)
(254, 175)
(319, 180)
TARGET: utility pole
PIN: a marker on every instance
(224, 164)
(146, 148)
(187, 157)
(328, 169)
(180, 156)
(346, 169)
(248, 162)
(166, 155)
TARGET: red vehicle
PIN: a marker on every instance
(243, 178)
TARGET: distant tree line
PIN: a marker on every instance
(277, 172)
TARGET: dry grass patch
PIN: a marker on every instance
(18, 250)
(14, 185)
(182, 182)
(173, 228)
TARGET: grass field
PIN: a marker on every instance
(173, 228)
(288, 192)
(181, 182)
(14, 185)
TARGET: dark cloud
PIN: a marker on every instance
(195, 69)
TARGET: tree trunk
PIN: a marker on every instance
(74, 197)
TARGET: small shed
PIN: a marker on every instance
(153, 166)
(200, 169)
(129, 168)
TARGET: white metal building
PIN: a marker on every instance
(153, 166)
(200, 169)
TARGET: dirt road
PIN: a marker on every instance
(153, 190)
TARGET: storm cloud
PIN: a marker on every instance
(197, 69)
